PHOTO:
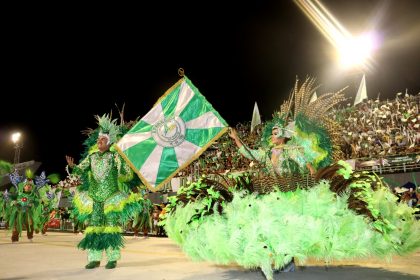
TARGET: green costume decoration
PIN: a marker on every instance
(2, 204)
(100, 200)
(24, 207)
(339, 214)
(142, 221)
(5, 168)
(49, 202)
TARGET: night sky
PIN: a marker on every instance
(76, 62)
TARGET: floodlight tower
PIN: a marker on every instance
(17, 146)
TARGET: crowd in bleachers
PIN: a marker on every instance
(223, 155)
(376, 128)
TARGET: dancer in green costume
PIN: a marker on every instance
(143, 221)
(23, 202)
(101, 202)
(5, 168)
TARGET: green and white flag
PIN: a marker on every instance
(175, 132)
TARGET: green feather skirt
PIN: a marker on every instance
(267, 231)
(101, 241)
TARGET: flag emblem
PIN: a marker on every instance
(169, 132)
(175, 132)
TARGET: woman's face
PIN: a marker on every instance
(274, 136)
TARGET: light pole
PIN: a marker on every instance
(17, 146)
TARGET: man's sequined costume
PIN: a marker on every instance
(103, 201)
(103, 204)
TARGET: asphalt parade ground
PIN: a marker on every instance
(56, 256)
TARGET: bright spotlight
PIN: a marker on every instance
(16, 137)
(353, 51)
(356, 51)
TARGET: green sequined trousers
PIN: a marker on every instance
(102, 234)
(111, 254)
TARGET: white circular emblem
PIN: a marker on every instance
(169, 132)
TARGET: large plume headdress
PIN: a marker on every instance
(307, 123)
(300, 102)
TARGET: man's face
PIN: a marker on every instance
(27, 188)
(102, 143)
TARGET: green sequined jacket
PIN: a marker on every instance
(104, 171)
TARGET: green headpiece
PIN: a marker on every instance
(108, 128)
(279, 121)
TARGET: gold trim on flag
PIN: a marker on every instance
(168, 91)
(131, 165)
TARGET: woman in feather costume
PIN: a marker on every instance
(309, 205)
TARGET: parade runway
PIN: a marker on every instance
(55, 256)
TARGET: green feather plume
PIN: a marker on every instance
(5, 167)
(315, 140)
(29, 173)
(54, 178)
(108, 126)
(101, 241)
